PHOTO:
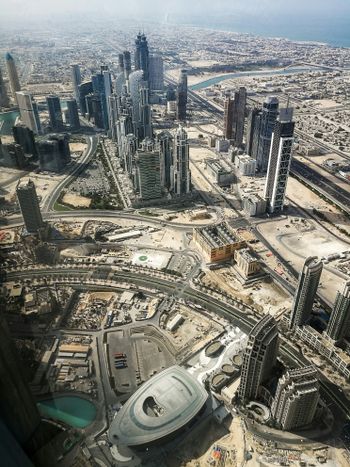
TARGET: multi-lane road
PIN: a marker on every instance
(238, 317)
(51, 199)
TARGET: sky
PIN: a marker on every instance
(159, 8)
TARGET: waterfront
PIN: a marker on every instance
(218, 79)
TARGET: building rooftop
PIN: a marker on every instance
(161, 406)
(218, 235)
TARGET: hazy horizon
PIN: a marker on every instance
(315, 20)
(157, 9)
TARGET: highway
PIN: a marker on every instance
(97, 214)
(50, 201)
(238, 318)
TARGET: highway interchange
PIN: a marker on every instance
(85, 278)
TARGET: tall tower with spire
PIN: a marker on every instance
(12, 74)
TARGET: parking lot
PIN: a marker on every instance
(146, 355)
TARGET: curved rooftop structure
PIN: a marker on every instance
(160, 407)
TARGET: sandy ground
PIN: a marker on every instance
(77, 147)
(325, 103)
(265, 296)
(295, 246)
(76, 200)
(301, 195)
(320, 158)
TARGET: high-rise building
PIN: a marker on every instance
(19, 412)
(12, 74)
(156, 73)
(136, 81)
(127, 63)
(84, 90)
(55, 112)
(4, 99)
(297, 395)
(268, 119)
(72, 114)
(119, 83)
(12, 155)
(25, 137)
(239, 108)
(228, 116)
(54, 153)
(148, 174)
(252, 136)
(129, 149)
(181, 163)
(101, 85)
(145, 130)
(279, 161)
(120, 63)
(29, 112)
(306, 291)
(29, 205)
(142, 55)
(94, 109)
(181, 97)
(165, 146)
(108, 90)
(339, 323)
(76, 78)
(259, 358)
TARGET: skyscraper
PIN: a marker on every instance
(142, 55)
(120, 63)
(239, 108)
(29, 205)
(18, 409)
(181, 97)
(228, 116)
(72, 114)
(269, 115)
(136, 81)
(129, 151)
(25, 137)
(101, 85)
(76, 78)
(54, 153)
(259, 357)
(305, 295)
(279, 161)
(4, 99)
(181, 163)
(165, 148)
(339, 323)
(252, 132)
(28, 111)
(127, 63)
(156, 73)
(84, 90)
(55, 112)
(12, 74)
(297, 395)
(145, 114)
(12, 155)
(148, 174)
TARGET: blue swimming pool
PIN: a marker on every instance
(73, 410)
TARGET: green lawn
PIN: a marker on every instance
(61, 207)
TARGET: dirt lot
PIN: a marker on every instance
(76, 200)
